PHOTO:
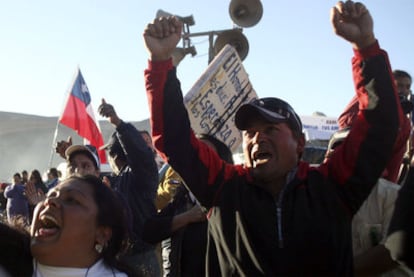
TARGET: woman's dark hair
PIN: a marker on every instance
(112, 213)
(36, 174)
(15, 255)
(17, 174)
(222, 150)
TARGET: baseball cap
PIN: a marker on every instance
(89, 150)
(271, 109)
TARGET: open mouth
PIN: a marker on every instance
(47, 226)
(260, 158)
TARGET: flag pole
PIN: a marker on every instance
(65, 99)
(52, 151)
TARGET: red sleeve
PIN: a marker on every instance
(352, 110)
(360, 160)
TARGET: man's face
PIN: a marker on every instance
(17, 179)
(49, 176)
(81, 164)
(270, 150)
(403, 85)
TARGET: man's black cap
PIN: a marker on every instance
(271, 109)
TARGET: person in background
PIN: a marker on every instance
(3, 202)
(74, 232)
(36, 184)
(52, 178)
(135, 179)
(17, 207)
(276, 215)
(25, 177)
(182, 223)
(147, 138)
(81, 160)
(370, 225)
(403, 83)
(400, 239)
(36, 179)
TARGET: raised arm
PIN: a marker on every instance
(358, 163)
(139, 156)
(353, 22)
(172, 135)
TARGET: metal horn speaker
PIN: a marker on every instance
(236, 39)
(185, 19)
(246, 13)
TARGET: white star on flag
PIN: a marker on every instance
(84, 88)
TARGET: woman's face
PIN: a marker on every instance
(64, 229)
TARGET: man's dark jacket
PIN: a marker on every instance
(307, 230)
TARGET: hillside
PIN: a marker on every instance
(26, 141)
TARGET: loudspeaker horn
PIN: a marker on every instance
(185, 19)
(246, 13)
(236, 39)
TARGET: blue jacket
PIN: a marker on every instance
(17, 204)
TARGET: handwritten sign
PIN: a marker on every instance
(216, 96)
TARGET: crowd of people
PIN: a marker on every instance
(185, 209)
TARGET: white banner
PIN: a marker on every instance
(216, 96)
(319, 127)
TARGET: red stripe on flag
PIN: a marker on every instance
(76, 117)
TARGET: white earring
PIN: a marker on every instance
(99, 248)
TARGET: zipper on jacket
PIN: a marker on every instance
(279, 201)
(279, 219)
(279, 226)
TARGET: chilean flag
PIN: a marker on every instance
(79, 115)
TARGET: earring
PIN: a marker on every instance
(99, 248)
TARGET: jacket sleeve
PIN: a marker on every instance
(349, 114)
(158, 228)
(392, 169)
(12, 191)
(199, 166)
(139, 156)
(356, 165)
(167, 188)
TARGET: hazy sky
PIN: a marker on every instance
(293, 52)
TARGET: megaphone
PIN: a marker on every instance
(246, 13)
(189, 20)
(236, 39)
